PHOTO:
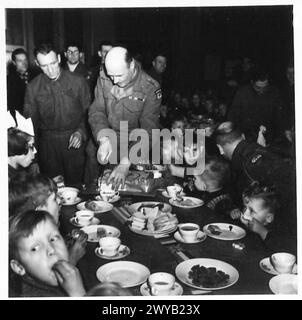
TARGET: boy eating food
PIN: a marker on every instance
(39, 256)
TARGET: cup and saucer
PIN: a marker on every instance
(189, 233)
(161, 284)
(110, 248)
(122, 252)
(84, 218)
(279, 263)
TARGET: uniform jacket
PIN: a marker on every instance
(251, 162)
(138, 104)
(80, 70)
(59, 105)
(16, 87)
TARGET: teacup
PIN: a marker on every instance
(174, 190)
(68, 194)
(109, 196)
(283, 262)
(109, 246)
(161, 283)
(84, 217)
(189, 231)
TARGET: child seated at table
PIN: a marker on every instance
(212, 185)
(261, 215)
(39, 258)
(40, 193)
(21, 153)
(34, 193)
(179, 123)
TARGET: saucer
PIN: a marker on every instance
(177, 290)
(123, 252)
(76, 200)
(284, 284)
(76, 224)
(200, 237)
(166, 194)
(265, 265)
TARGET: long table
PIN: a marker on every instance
(150, 251)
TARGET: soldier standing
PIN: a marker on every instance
(129, 94)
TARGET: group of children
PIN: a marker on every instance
(258, 208)
(43, 263)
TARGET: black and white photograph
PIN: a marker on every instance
(151, 150)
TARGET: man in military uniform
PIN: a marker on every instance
(257, 105)
(252, 162)
(17, 79)
(57, 101)
(129, 94)
(73, 56)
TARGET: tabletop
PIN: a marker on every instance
(159, 254)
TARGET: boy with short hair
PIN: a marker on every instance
(212, 185)
(32, 193)
(39, 256)
(261, 215)
(40, 193)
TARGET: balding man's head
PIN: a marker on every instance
(120, 66)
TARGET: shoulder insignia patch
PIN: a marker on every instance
(256, 158)
(158, 93)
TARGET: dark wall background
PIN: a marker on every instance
(190, 36)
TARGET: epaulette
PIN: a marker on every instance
(152, 81)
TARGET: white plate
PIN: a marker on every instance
(114, 200)
(265, 265)
(123, 252)
(126, 273)
(169, 228)
(182, 272)
(198, 203)
(235, 233)
(200, 237)
(91, 231)
(133, 207)
(77, 200)
(152, 234)
(166, 194)
(95, 221)
(177, 290)
(105, 206)
(284, 284)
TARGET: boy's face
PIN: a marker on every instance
(53, 206)
(41, 250)
(254, 208)
(178, 125)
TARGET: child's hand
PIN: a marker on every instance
(78, 248)
(69, 278)
(257, 227)
(235, 214)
